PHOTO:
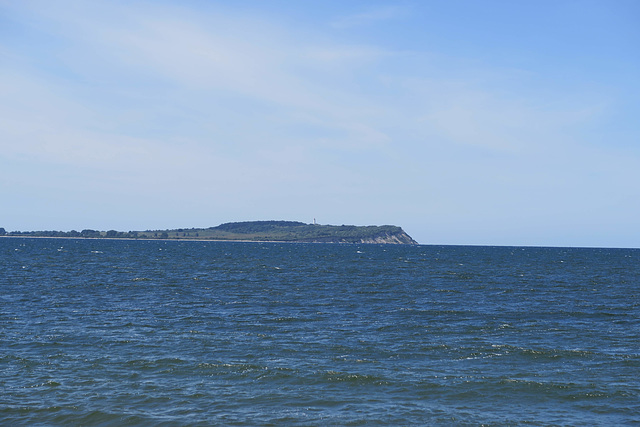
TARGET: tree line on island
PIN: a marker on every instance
(281, 231)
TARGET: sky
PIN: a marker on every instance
(464, 122)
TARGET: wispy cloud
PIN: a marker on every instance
(162, 59)
(371, 16)
(174, 59)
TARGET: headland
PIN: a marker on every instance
(265, 231)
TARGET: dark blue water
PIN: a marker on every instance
(108, 332)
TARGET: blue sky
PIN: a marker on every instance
(464, 122)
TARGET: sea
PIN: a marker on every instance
(195, 333)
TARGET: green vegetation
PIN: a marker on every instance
(270, 231)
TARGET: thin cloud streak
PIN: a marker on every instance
(372, 16)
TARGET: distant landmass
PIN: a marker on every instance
(267, 231)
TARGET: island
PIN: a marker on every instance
(251, 231)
